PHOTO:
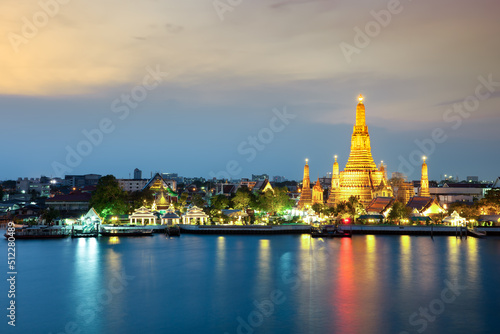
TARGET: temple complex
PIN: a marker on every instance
(305, 201)
(361, 177)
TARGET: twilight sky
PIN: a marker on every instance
(253, 87)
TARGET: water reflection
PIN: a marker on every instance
(220, 255)
(472, 260)
(371, 258)
(343, 291)
(405, 261)
(264, 264)
(113, 240)
(453, 260)
(86, 261)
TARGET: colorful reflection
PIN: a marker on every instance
(220, 255)
(343, 292)
(113, 240)
(472, 259)
(264, 258)
(453, 250)
(405, 260)
(371, 257)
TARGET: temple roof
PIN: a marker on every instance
(380, 204)
(420, 203)
(317, 186)
(170, 215)
(76, 196)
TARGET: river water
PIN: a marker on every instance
(254, 284)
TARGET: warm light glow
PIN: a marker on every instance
(360, 98)
(307, 160)
(424, 157)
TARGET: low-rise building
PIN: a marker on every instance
(27, 185)
(132, 184)
(74, 202)
(459, 192)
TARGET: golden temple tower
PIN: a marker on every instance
(424, 182)
(317, 194)
(334, 197)
(361, 175)
(306, 195)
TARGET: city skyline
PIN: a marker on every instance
(205, 82)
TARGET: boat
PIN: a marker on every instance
(246, 229)
(126, 232)
(173, 231)
(84, 235)
(84, 232)
(330, 231)
(38, 233)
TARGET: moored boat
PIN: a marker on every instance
(330, 231)
(126, 232)
(173, 231)
(38, 233)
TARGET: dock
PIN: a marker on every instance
(245, 229)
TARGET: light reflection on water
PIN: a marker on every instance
(367, 284)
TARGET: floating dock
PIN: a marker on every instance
(245, 229)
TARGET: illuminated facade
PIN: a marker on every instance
(305, 201)
(424, 182)
(361, 177)
(317, 193)
(334, 197)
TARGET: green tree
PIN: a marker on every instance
(220, 202)
(109, 199)
(351, 208)
(49, 215)
(243, 199)
(398, 212)
(275, 202)
(140, 198)
(493, 195)
(198, 201)
(318, 208)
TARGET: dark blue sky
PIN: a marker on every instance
(433, 68)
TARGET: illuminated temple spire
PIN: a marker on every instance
(334, 197)
(306, 195)
(361, 152)
(361, 175)
(424, 182)
(317, 194)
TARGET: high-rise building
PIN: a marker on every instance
(474, 179)
(137, 174)
(306, 195)
(261, 177)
